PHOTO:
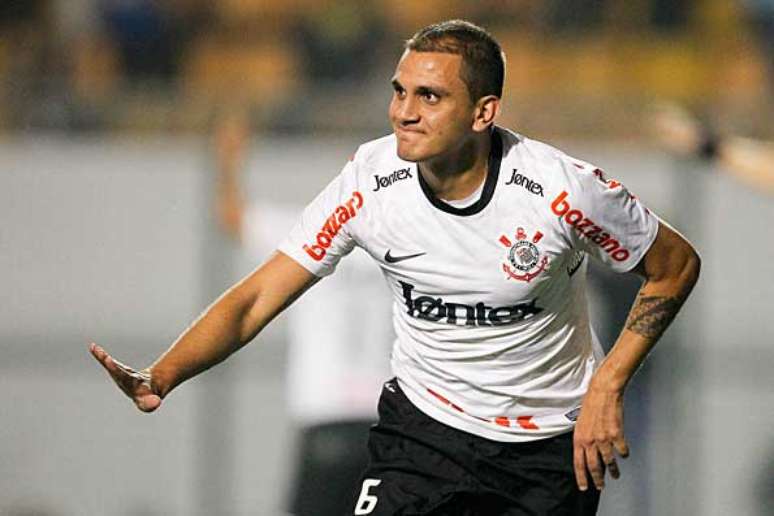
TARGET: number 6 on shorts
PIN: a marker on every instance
(366, 502)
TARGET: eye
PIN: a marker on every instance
(430, 97)
(399, 92)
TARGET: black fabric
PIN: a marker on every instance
(331, 459)
(493, 171)
(428, 468)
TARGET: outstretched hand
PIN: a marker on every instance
(598, 436)
(135, 384)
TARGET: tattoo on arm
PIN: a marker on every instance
(651, 315)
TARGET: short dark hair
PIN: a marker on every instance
(483, 61)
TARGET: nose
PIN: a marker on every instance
(405, 111)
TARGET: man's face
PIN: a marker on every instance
(431, 111)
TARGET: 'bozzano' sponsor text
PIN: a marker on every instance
(340, 216)
(588, 228)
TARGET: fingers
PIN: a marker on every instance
(579, 463)
(131, 382)
(98, 353)
(621, 446)
(612, 467)
(587, 459)
(595, 467)
(109, 363)
(608, 459)
(598, 437)
(118, 371)
(104, 359)
(592, 457)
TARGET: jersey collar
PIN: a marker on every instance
(493, 171)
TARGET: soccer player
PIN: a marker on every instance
(502, 402)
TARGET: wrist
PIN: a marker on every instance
(157, 380)
(608, 379)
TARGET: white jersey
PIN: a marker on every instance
(338, 346)
(489, 305)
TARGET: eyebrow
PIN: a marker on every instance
(421, 89)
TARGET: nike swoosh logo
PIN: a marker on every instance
(573, 270)
(389, 258)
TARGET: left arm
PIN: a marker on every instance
(671, 269)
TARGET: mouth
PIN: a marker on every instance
(404, 133)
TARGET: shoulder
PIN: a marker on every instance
(366, 158)
(376, 164)
(380, 148)
(377, 154)
(553, 167)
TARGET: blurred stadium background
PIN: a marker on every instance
(106, 231)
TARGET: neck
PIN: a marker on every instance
(456, 174)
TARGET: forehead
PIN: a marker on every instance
(429, 69)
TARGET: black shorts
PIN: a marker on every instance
(419, 466)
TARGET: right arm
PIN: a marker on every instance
(227, 325)
(247, 307)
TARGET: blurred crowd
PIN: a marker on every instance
(577, 67)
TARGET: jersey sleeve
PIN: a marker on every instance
(323, 233)
(601, 217)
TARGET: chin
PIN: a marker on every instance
(409, 154)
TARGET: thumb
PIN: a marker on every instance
(148, 402)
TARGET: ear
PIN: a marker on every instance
(485, 112)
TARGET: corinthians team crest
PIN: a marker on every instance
(524, 261)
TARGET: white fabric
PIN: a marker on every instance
(338, 346)
(467, 201)
(491, 322)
